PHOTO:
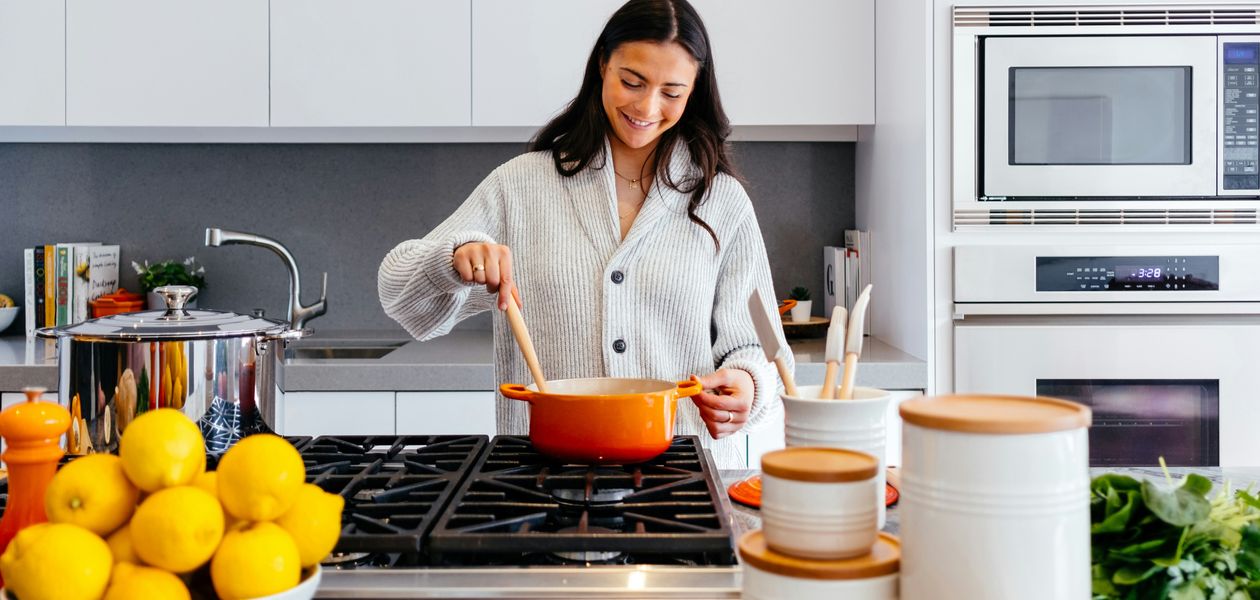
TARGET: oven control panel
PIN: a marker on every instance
(1240, 115)
(1127, 273)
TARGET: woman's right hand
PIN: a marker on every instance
(490, 264)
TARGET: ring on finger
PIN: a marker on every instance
(479, 267)
(730, 416)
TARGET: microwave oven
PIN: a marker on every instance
(1133, 114)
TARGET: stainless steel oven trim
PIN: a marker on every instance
(1195, 179)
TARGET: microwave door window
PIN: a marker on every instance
(1099, 116)
(1136, 421)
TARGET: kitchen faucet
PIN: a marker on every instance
(298, 314)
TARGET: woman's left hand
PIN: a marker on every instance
(725, 401)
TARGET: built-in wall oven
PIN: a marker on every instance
(1162, 342)
(1106, 114)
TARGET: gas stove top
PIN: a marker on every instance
(473, 517)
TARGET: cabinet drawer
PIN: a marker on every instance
(338, 413)
(445, 413)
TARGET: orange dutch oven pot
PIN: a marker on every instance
(602, 420)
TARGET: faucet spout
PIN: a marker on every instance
(298, 313)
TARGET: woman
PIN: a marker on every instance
(626, 233)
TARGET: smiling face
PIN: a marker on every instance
(645, 90)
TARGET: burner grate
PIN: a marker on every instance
(518, 502)
(394, 486)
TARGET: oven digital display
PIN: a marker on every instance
(1140, 274)
(1127, 273)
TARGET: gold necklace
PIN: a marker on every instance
(632, 210)
(633, 183)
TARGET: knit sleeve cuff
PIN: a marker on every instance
(766, 387)
(437, 266)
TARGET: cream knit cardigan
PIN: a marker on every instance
(681, 307)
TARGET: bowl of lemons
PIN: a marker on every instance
(8, 312)
(152, 522)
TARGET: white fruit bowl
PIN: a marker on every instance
(7, 314)
(304, 590)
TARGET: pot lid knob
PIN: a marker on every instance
(175, 296)
(32, 429)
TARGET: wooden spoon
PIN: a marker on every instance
(835, 352)
(517, 323)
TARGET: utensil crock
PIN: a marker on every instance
(602, 420)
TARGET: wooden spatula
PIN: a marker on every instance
(853, 343)
(835, 352)
(769, 341)
(517, 323)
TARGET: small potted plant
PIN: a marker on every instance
(170, 272)
(804, 306)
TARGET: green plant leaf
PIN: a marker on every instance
(1180, 506)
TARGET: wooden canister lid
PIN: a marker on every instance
(977, 413)
(819, 465)
(883, 559)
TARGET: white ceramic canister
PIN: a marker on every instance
(995, 498)
(817, 502)
(857, 424)
(769, 575)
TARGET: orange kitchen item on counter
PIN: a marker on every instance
(747, 491)
(118, 302)
(786, 306)
(32, 432)
(603, 420)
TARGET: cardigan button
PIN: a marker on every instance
(619, 346)
(618, 277)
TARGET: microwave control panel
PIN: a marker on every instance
(1127, 273)
(1240, 115)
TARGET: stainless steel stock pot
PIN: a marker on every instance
(218, 368)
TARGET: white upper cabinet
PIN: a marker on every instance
(32, 62)
(368, 63)
(529, 55)
(794, 62)
(185, 63)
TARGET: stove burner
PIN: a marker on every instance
(339, 560)
(585, 497)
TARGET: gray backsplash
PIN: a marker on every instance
(339, 208)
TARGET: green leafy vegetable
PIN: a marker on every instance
(1158, 541)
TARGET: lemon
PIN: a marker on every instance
(314, 522)
(259, 559)
(132, 581)
(177, 529)
(120, 545)
(56, 561)
(93, 492)
(209, 481)
(6, 301)
(162, 448)
(259, 477)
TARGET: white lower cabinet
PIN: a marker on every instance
(338, 413)
(770, 436)
(445, 412)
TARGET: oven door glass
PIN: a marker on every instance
(1136, 421)
(1099, 117)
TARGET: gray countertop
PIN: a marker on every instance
(461, 360)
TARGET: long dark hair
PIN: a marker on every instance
(576, 137)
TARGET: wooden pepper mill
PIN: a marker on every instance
(32, 433)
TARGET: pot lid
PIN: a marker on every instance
(174, 323)
(883, 559)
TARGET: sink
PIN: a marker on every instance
(342, 351)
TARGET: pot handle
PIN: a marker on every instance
(689, 388)
(516, 391)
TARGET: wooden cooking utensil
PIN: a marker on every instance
(517, 323)
(769, 341)
(853, 343)
(835, 352)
